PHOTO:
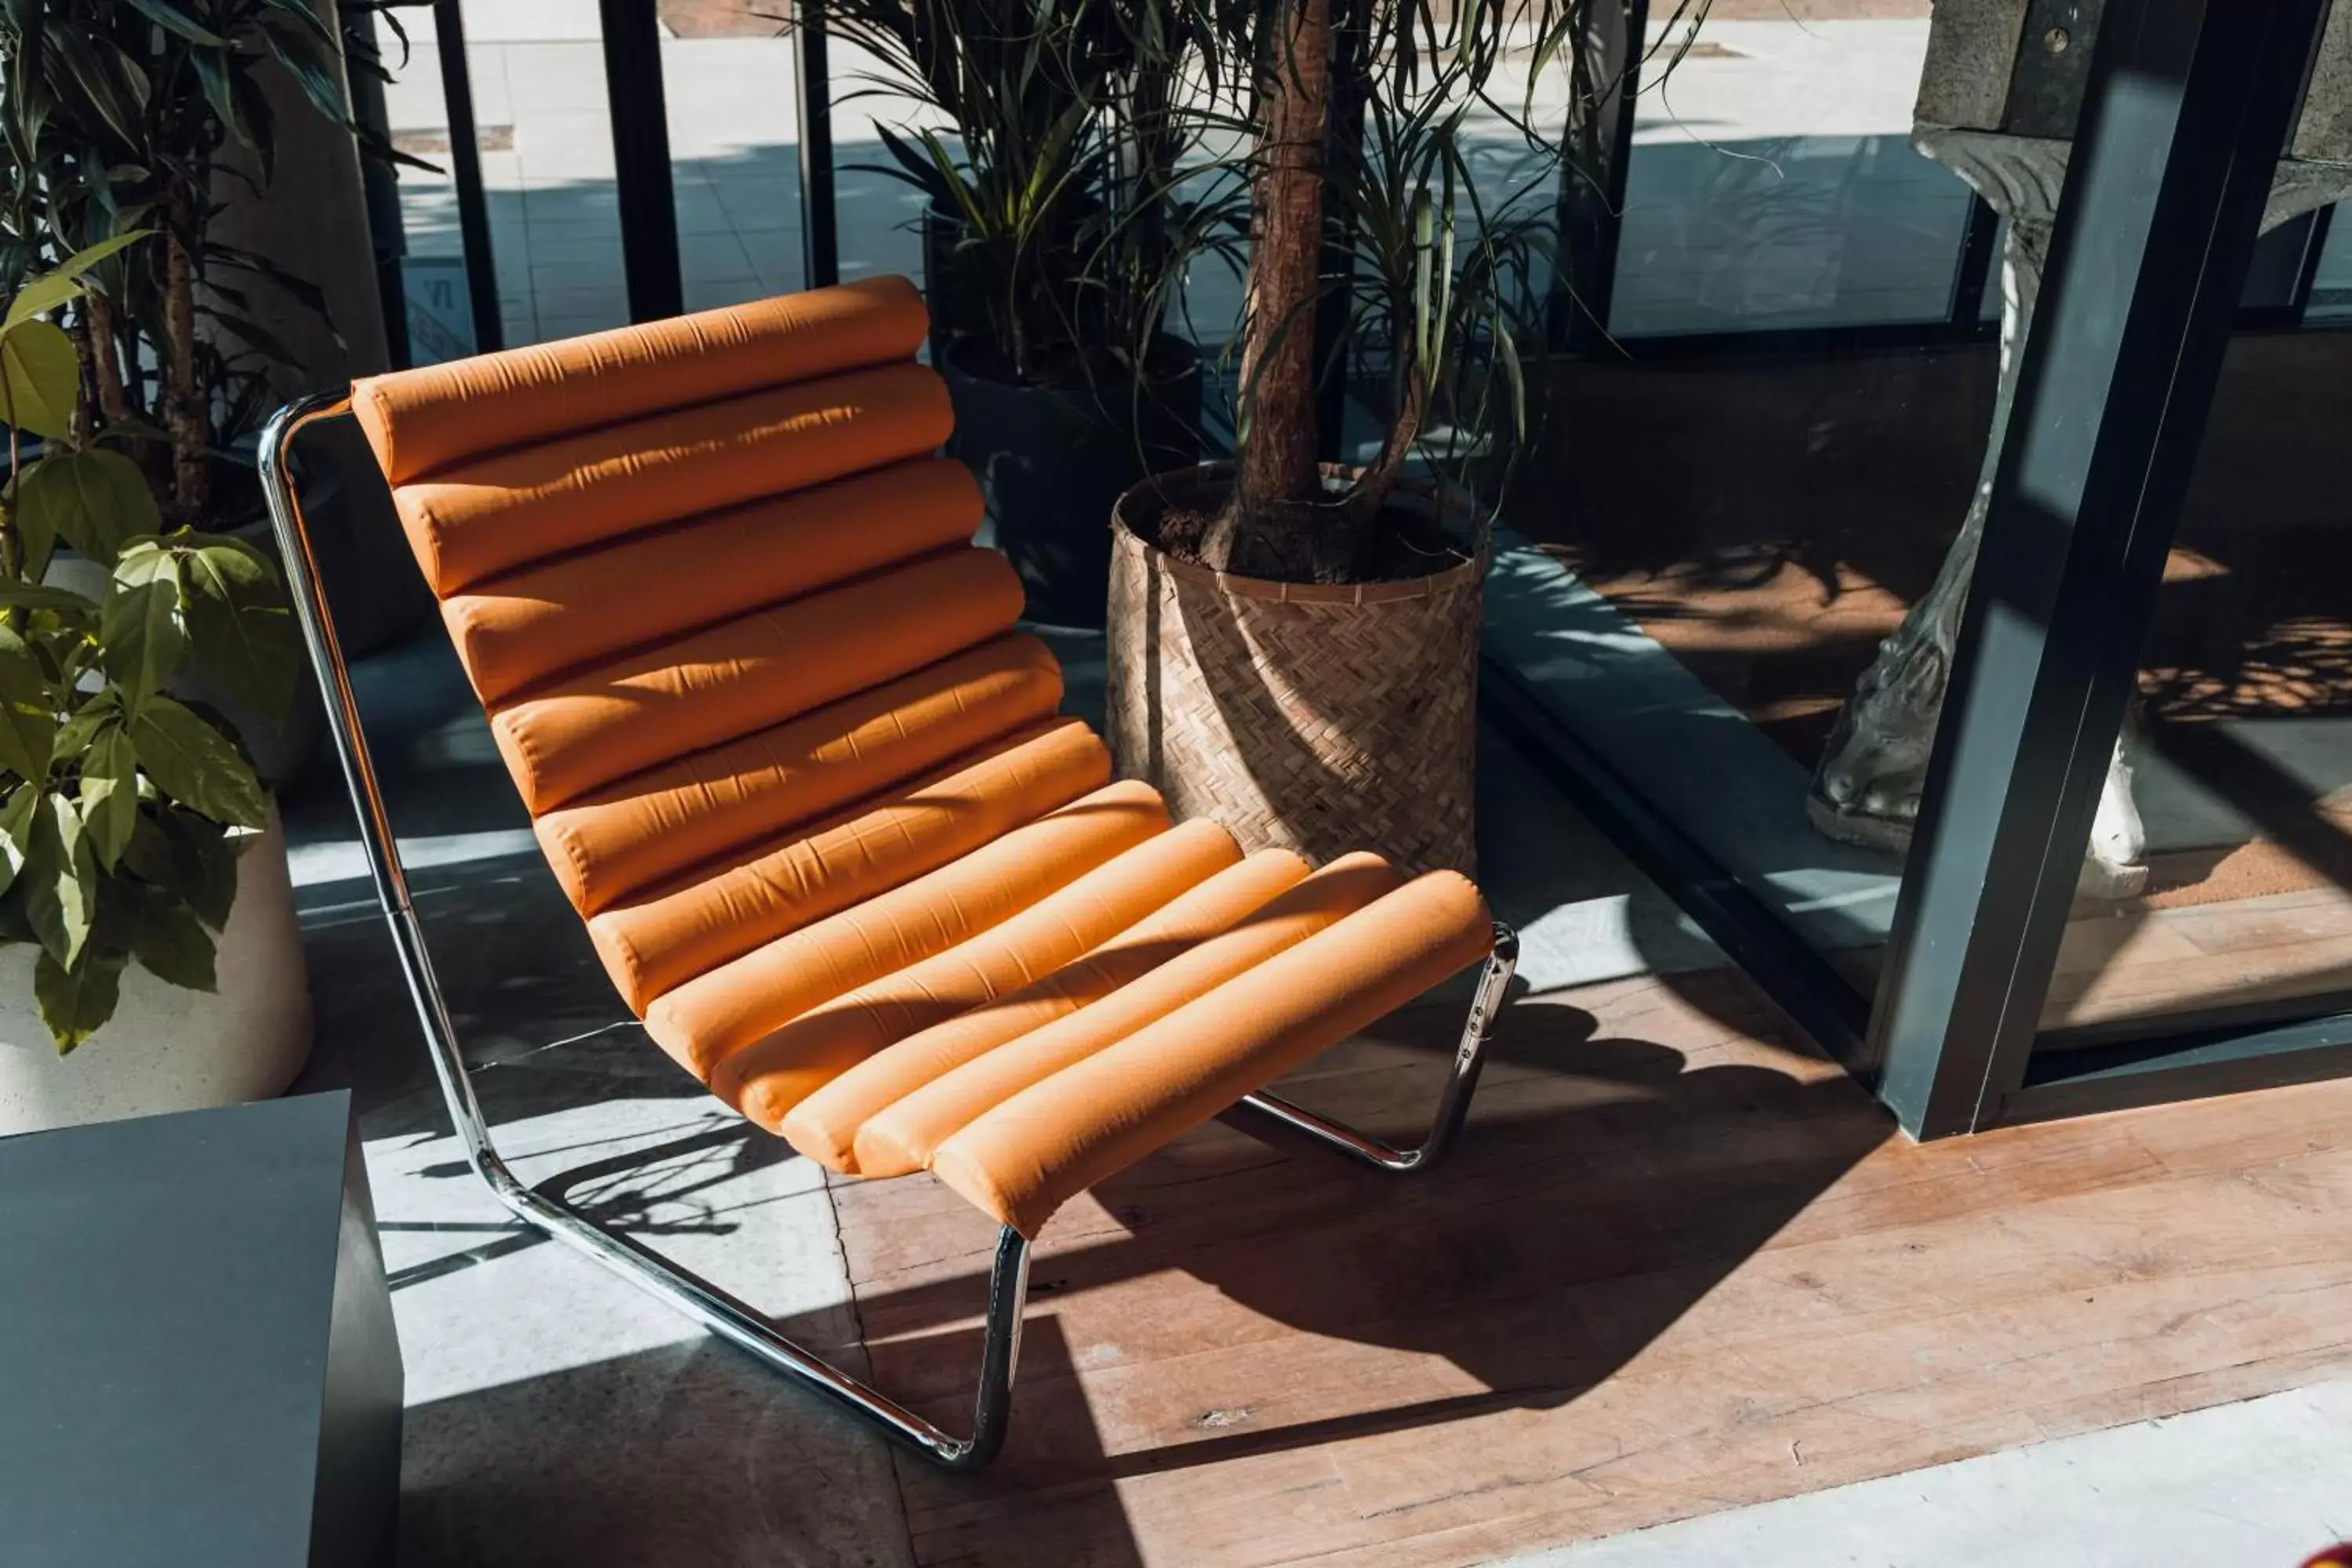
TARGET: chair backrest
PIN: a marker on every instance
(715, 592)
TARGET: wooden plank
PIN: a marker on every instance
(2154, 989)
(2147, 963)
(2318, 914)
(2094, 945)
(1678, 1265)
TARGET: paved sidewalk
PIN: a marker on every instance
(1772, 182)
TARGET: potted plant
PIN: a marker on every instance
(158, 117)
(1054, 236)
(143, 885)
(1294, 646)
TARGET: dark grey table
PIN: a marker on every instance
(197, 1363)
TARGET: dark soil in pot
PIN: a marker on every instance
(1053, 460)
(1173, 511)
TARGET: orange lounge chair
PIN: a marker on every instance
(804, 780)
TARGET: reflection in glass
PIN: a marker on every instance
(1773, 183)
(2241, 743)
(1744, 530)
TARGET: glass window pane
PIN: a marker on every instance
(1729, 537)
(432, 251)
(1772, 182)
(547, 65)
(2238, 758)
(730, 96)
(2331, 285)
(546, 145)
(1751, 561)
(881, 214)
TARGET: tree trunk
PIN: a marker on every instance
(1277, 524)
(186, 419)
(106, 366)
(116, 403)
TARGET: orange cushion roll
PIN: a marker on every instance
(719, 1013)
(1025, 1158)
(420, 420)
(704, 917)
(604, 722)
(538, 620)
(497, 512)
(908, 1133)
(771, 1078)
(614, 842)
(834, 1118)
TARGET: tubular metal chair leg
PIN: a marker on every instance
(1453, 1101)
(722, 1313)
(717, 1309)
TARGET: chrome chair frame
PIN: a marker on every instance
(721, 1312)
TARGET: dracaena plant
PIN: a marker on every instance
(1056, 161)
(122, 806)
(1445, 200)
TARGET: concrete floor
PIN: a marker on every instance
(556, 1415)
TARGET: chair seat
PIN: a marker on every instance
(804, 779)
(1114, 1003)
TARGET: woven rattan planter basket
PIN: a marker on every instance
(1317, 718)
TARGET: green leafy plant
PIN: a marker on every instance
(151, 115)
(1057, 169)
(122, 806)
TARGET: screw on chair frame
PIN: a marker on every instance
(722, 1313)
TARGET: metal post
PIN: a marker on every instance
(2315, 250)
(380, 189)
(1606, 80)
(820, 238)
(2187, 107)
(1973, 272)
(466, 170)
(1343, 151)
(633, 88)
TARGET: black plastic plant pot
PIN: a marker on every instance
(1053, 461)
(955, 287)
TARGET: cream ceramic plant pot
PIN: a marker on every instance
(167, 1049)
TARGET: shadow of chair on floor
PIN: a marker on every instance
(1603, 1187)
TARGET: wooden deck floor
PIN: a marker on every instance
(2150, 962)
(1680, 1264)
